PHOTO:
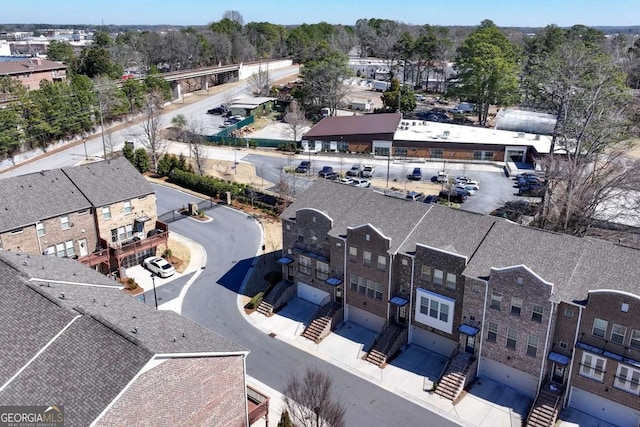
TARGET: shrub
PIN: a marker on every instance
(131, 283)
(255, 301)
(168, 253)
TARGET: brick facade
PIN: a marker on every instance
(185, 392)
(123, 217)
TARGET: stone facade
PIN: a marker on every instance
(123, 214)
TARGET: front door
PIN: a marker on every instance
(402, 315)
(290, 273)
(557, 373)
(470, 345)
(339, 294)
(83, 247)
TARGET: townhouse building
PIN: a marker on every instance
(101, 213)
(550, 315)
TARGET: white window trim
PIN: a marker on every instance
(589, 370)
(593, 328)
(425, 319)
(626, 383)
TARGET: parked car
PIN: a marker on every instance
(325, 171)
(442, 177)
(361, 182)
(452, 196)
(431, 198)
(354, 171)
(217, 110)
(464, 189)
(475, 185)
(461, 179)
(303, 167)
(414, 196)
(415, 175)
(367, 171)
(346, 180)
(159, 266)
(331, 176)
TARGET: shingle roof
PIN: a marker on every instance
(55, 269)
(29, 65)
(355, 125)
(109, 181)
(26, 199)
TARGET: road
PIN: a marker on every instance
(231, 241)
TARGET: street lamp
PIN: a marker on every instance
(86, 156)
(155, 296)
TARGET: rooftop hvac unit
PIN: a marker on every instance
(445, 134)
(537, 137)
(520, 134)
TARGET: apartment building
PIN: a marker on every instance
(32, 71)
(547, 314)
(102, 213)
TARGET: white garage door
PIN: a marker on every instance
(603, 409)
(525, 383)
(364, 318)
(312, 294)
(432, 342)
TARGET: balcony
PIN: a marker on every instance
(258, 405)
(99, 256)
(131, 247)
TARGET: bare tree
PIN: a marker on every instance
(195, 140)
(296, 121)
(309, 401)
(260, 83)
(285, 195)
(105, 90)
(151, 127)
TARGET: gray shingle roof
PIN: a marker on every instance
(26, 199)
(55, 269)
(109, 181)
(367, 124)
(83, 370)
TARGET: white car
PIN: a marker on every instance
(360, 182)
(367, 171)
(475, 185)
(159, 266)
(347, 181)
(461, 179)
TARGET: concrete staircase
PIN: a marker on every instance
(452, 382)
(544, 412)
(384, 346)
(265, 308)
(276, 297)
(320, 326)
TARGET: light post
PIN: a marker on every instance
(155, 296)
(86, 156)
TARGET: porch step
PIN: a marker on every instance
(452, 382)
(265, 308)
(544, 412)
(320, 322)
(377, 358)
(378, 355)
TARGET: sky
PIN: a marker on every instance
(504, 13)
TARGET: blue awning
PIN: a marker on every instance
(468, 330)
(399, 301)
(285, 261)
(333, 281)
(559, 358)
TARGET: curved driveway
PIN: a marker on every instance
(232, 239)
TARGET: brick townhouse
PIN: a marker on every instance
(547, 314)
(102, 213)
(74, 339)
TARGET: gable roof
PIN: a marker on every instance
(368, 124)
(83, 349)
(109, 181)
(29, 65)
(27, 199)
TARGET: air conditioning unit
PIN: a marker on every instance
(445, 134)
(537, 137)
(520, 134)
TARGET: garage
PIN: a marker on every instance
(603, 409)
(364, 318)
(313, 295)
(432, 342)
(525, 383)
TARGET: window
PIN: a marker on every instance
(627, 379)
(599, 328)
(129, 231)
(618, 333)
(400, 151)
(516, 306)
(451, 282)
(488, 155)
(367, 237)
(425, 274)
(366, 258)
(60, 250)
(532, 346)
(322, 270)
(537, 312)
(405, 262)
(353, 253)
(304, 264)
(288, 226)
(492, 332)
(374, 289)
(84, 212)
(343, 146)
(353, 282)
(624, 307)
(436, 153)
(438, 277)
(69, 248)
(300, 236)
(40, 229)
(592, 366)
(496, 300)
(512, 338)
(364, 286)
(434, 310)
(568, 312)
(126, 208)
(563, 345)
(477, 155)
(65, 222)
(114, 235)
(106, 213)
(382, 263)
(635, 338)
